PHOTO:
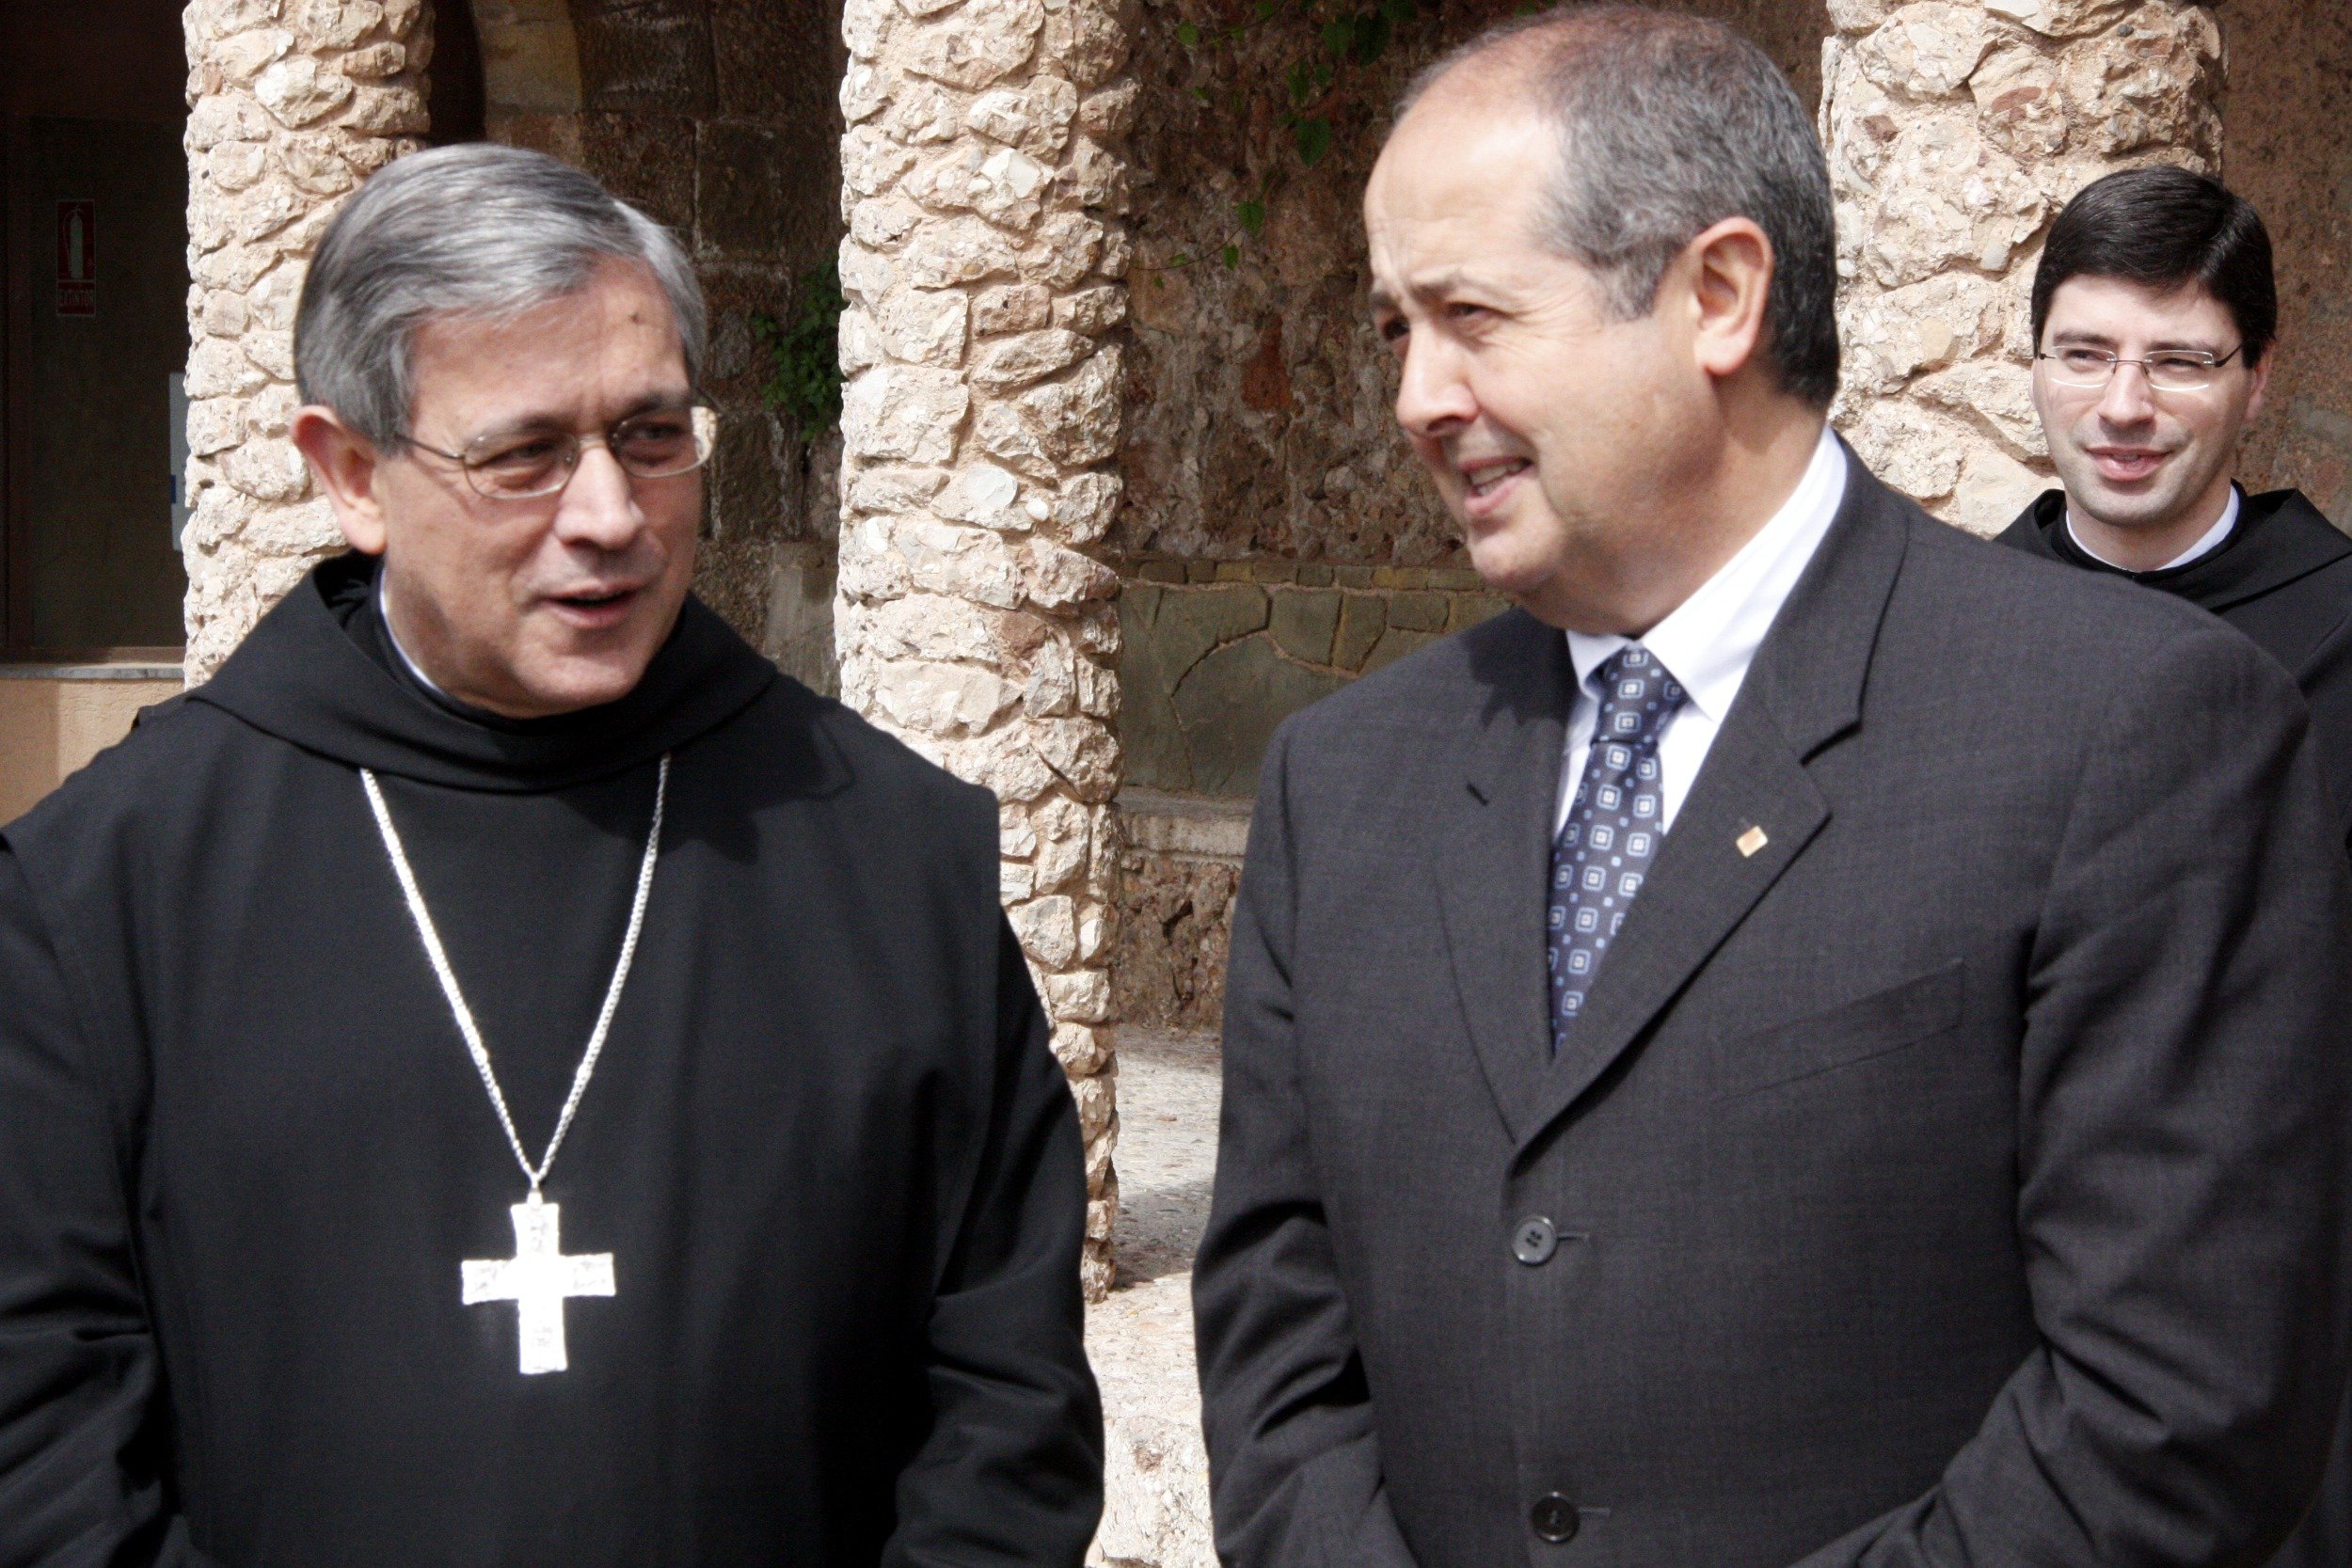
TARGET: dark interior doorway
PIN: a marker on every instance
(94, 187)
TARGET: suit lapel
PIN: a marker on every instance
(1700, 888)
(1802, 691)
(1493, 858)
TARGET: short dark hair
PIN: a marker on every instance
(1668, 124)
(2165, 228)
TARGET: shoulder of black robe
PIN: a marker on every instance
(2283, 577)
(229, 1263)
(302, 676)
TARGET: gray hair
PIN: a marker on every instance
(477, 230)
(1668, 124)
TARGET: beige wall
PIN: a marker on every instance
(54, 721)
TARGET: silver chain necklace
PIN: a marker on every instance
(539, 1277)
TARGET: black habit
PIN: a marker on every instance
(244, 1151)
(2283, 577)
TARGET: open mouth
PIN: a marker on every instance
(1488, 479)
(595, 606)
(2123, 465)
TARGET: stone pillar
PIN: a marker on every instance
(291, 103)
(983, 270)
(1955, 130)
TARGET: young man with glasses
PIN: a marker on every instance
(498, 1074)
(2154, 318)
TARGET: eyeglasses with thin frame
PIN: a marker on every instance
(2171, 370)
(528, 465)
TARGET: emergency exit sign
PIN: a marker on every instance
(77, 258)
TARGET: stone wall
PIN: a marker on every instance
(1259, 400)
(717, 118)
(1956, 131)
(292, 102)
(1214, 654)
(985, 190)
(2288, 101)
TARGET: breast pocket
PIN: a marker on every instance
(1853, 1032)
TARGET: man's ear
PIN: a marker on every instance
(2258, 383)
(342, 464)
(1728, 269)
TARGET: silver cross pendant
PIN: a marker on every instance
(538, 1279)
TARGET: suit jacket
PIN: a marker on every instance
(1956, 1176)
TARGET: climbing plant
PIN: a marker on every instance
(1331, 44)
(805, 358)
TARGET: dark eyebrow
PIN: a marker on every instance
(540, 423)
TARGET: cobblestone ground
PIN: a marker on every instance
(1140, 1337)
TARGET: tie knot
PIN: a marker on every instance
(1637, 696)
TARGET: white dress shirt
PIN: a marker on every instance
(2209, 541)
(1708, 641)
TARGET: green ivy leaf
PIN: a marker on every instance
(805, 358)
(1302, 82)
(1233, 257)
(1252, 215)
(1313, 138)
(1201, 94)
(1180, 260)
(1187, 35)
(1400, 12)
(1372, 37)
(1339, 34)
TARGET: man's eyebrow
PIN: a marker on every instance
(523, 424)
(1433, 285)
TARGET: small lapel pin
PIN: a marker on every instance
(1751, 841)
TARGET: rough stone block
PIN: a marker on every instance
(904, 413)
(979, 46)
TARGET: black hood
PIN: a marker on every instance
(318, 672)
(2279, 537)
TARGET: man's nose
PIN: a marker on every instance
(1433, 396)
(2128, 399)
(598, 508)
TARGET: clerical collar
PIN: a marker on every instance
(2210, 540)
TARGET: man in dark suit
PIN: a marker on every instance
(1814, 1040)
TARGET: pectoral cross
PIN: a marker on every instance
(538, 1279)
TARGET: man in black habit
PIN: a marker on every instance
(499, 1075)
(2155, 314)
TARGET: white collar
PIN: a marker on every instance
(2212, 539)
(1708, 641)
(393, 638)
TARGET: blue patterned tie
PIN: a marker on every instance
(1613, 826)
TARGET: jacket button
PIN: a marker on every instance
(1534, 1242)
(1554, 1518)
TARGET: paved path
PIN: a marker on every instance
(1156, 1508)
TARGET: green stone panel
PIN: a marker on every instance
(1361, 624)
(1304, 622)
(1151, 740)
(1229, 704)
